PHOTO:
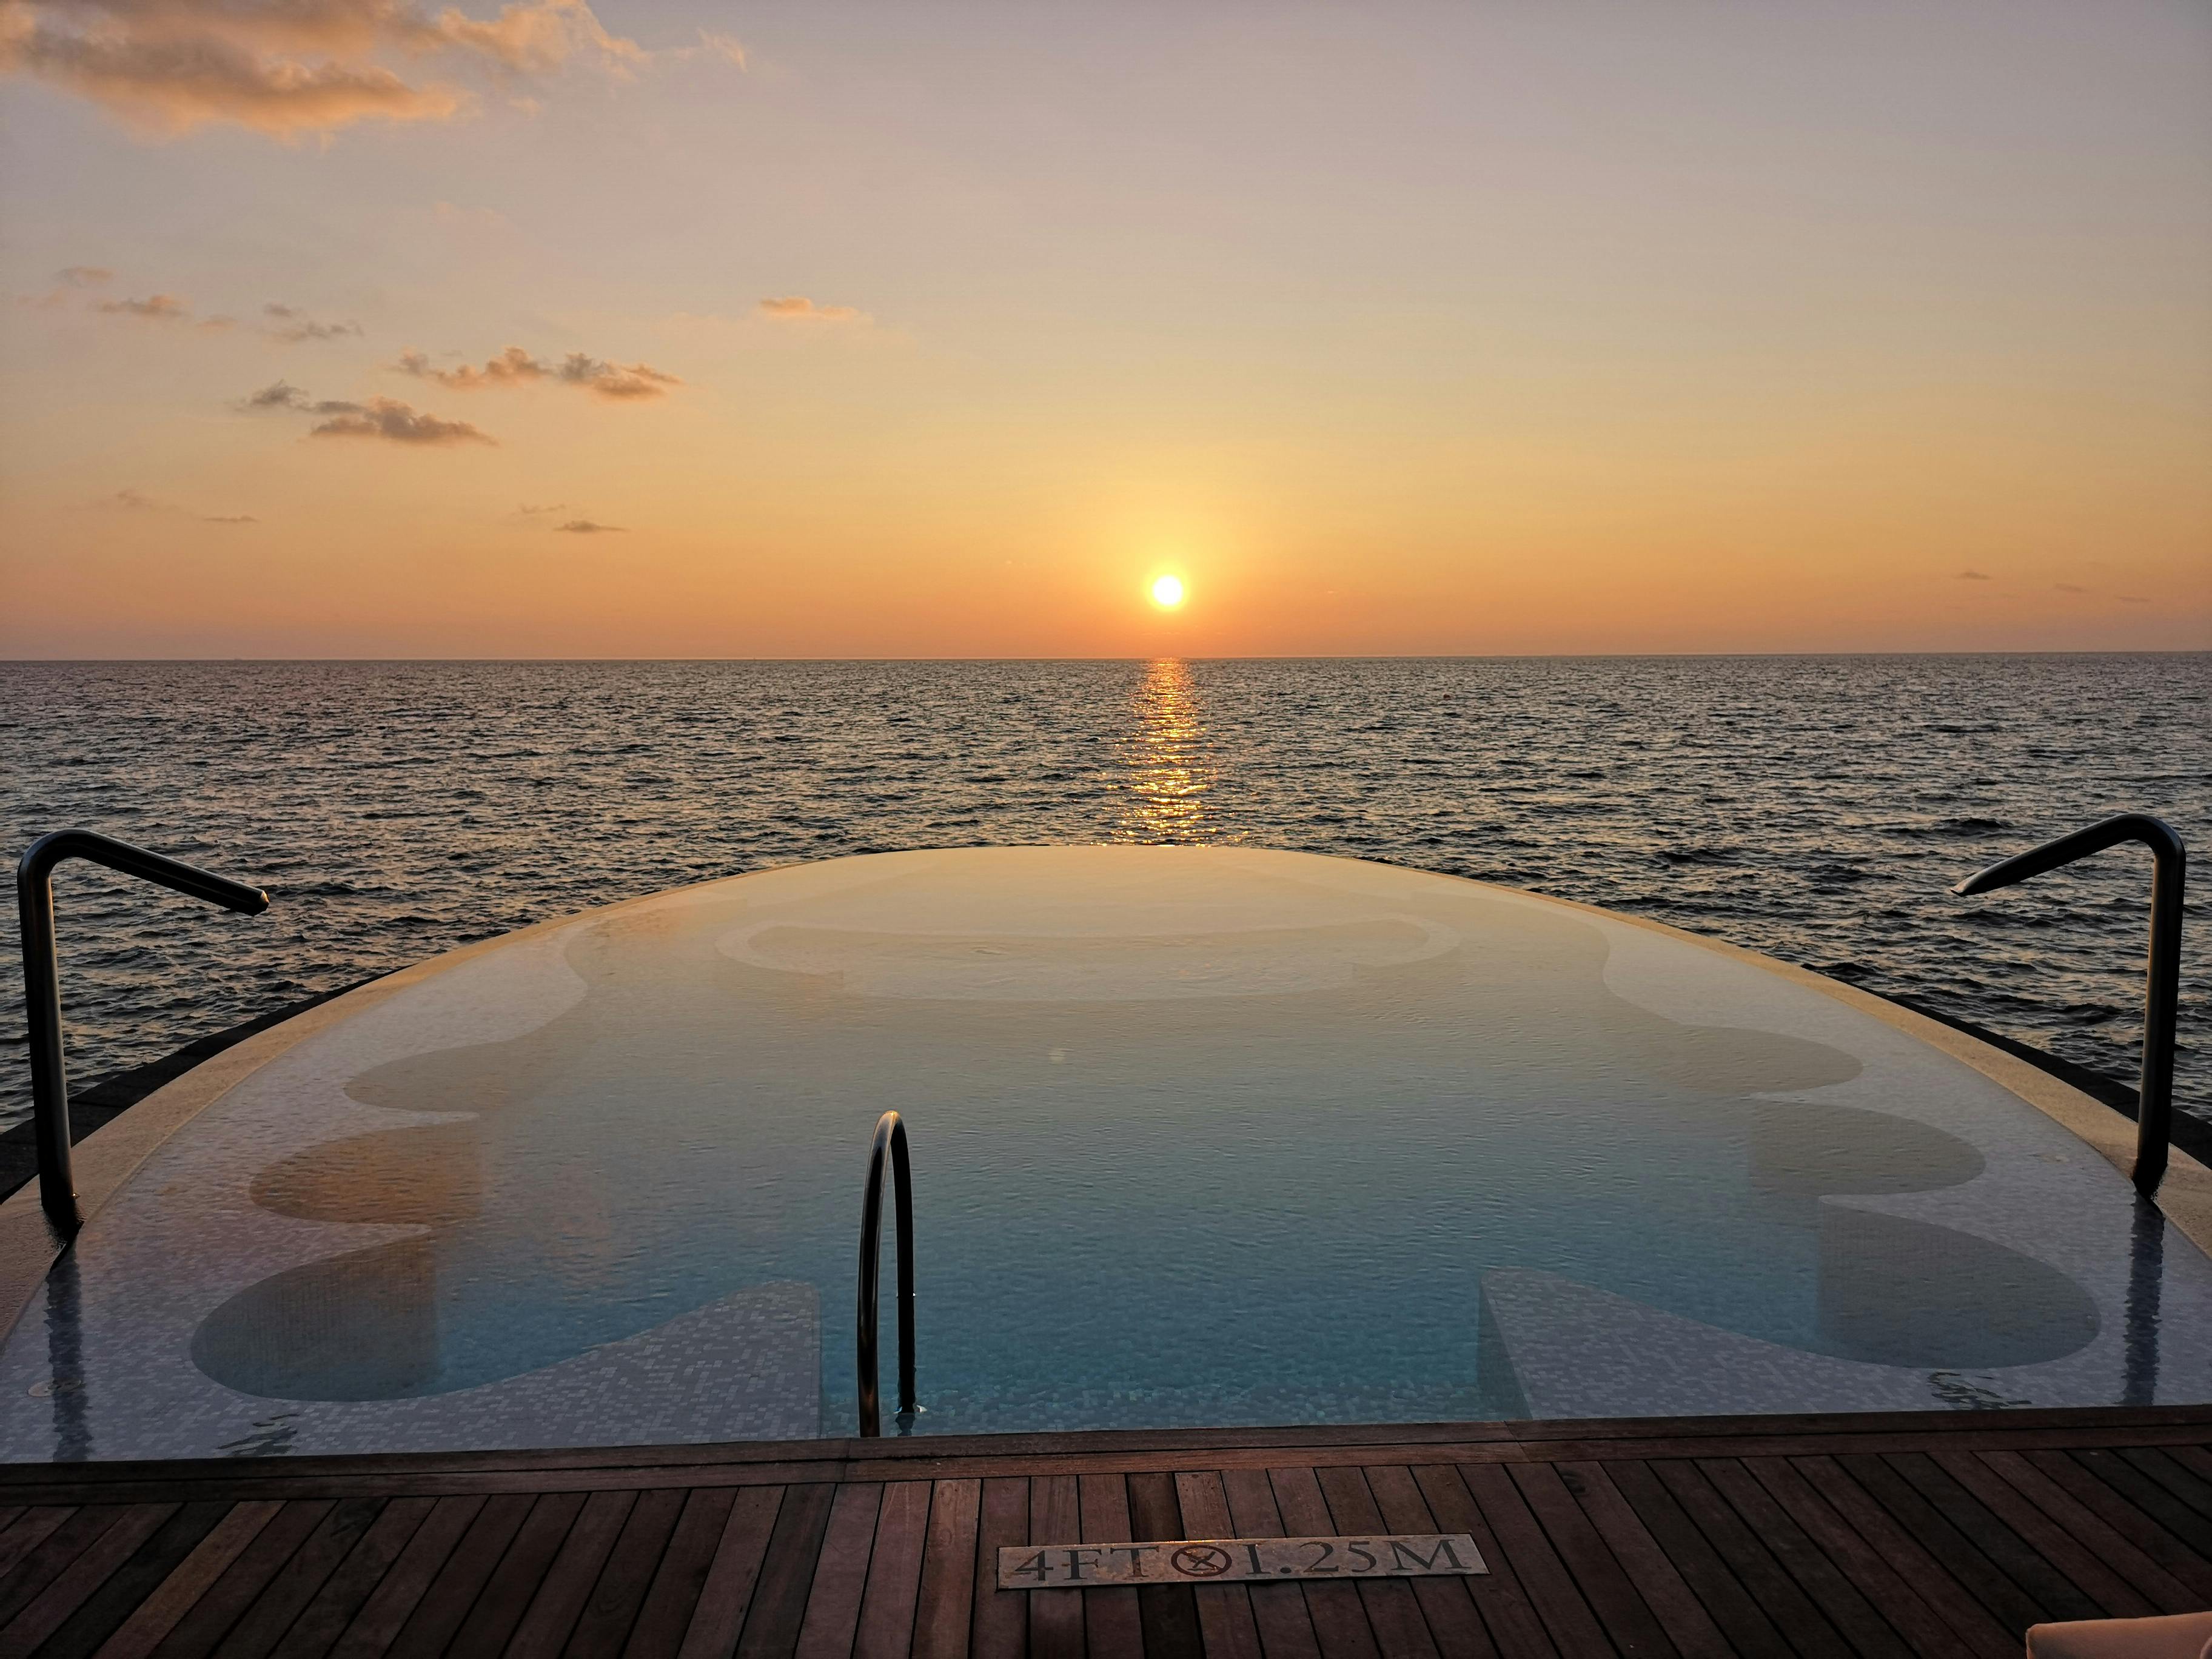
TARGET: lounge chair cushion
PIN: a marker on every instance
(2180, 1636)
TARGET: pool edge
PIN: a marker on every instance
(106, 1162)
(2185, 1194)
(739, 1463)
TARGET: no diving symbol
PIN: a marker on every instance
(1200, 1561)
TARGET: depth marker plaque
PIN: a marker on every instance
(1238, 1560)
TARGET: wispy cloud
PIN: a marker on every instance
(609, 380)
(280, 394)
(529, 512)
(2097, 593)
(587, 527)
(132, 501)
(514, 367)
(713, 44)
(75, 280)
(393, 421)
(171, 86)
(798, 308)
(283, 67)
(292, 326)
(1972, 576)
(162, 308)
(728, 47)
(154, 307)
(384, 418)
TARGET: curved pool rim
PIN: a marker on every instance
(106, 1162)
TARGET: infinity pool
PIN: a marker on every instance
(1201, 1136)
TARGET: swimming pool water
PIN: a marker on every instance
(1201, 1136)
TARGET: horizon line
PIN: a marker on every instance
(1286, 657)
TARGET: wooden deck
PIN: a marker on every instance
(1930, 1534)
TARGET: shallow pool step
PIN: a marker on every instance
(1576, 1351)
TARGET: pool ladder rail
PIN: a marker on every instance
(42, 994)
(34, 901)
(890, 1141)
(2162, 973)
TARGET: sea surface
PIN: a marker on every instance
(1816, 808)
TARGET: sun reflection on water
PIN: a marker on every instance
(1169, 764)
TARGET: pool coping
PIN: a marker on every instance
(849, 1458)
(104, 1162)
(29, 1244)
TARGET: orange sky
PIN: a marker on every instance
(847, 330)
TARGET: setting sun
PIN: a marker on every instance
(1167, 592)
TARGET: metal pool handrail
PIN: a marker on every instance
(42, 991)
(891, 1136)
(2162, 978)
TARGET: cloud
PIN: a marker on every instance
(396, 422)
(512, 367)
(515, 366)
(285, 67)
(291, 325)
(157, 307)
(131, 500)
(280, 394)
(728, 47)
(380, 418)
(162, 308)
(529, 512)
(607, 380)
(172, 86)
(1972, 576)
(586, 527)
(798, 308)
(536, 35)
(2090, 592)
(511, 364)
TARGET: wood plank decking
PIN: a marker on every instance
(1929, 1534)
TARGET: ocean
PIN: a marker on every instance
(1815, 808)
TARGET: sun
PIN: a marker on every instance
(1167, 592)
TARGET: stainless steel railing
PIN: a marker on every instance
(2162, 978)
(890, 1137)
(42, 994)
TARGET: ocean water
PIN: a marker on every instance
(1815, 808)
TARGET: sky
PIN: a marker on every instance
(660, 328)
